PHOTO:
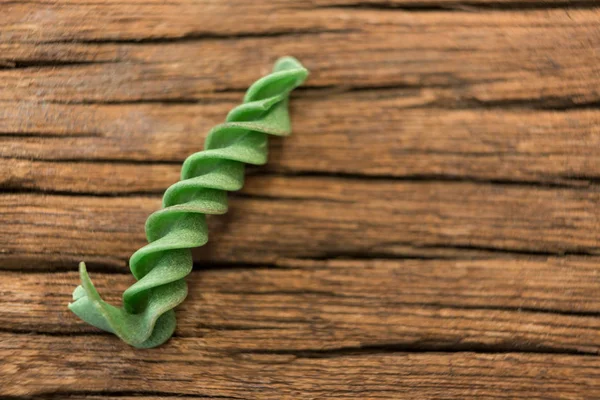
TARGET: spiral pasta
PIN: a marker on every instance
(147, 318)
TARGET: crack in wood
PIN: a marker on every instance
(7, 188)
(61, 395)
(418, 347)
(461, 6)
(12, 64)
(47, 135)
(198, 36)
(548, 103)
(84, 161)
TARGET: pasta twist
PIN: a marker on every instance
(147, 318)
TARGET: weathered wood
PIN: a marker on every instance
(410, 240)
(69, 20)
(389, 137)
(99, 177)
(189, 367)
(311, 217)
(308, 305)
(485, 57)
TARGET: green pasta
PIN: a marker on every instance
(147, 318)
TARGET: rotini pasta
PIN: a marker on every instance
(147, 318)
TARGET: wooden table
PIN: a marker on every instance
(431, 229)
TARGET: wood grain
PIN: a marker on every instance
(485, 57)
(70, 20)
(299, 217)
(185, 365)
(327, 305)
(139, 148)
(430, 231)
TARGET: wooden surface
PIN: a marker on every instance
(430, 231)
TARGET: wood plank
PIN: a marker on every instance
(277, 217)
(189, 367)
(518, 305)
(446, 51)
(152, 132)
(134, 20)
(118, 20)
(398, 139)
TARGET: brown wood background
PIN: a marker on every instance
(430, 231)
